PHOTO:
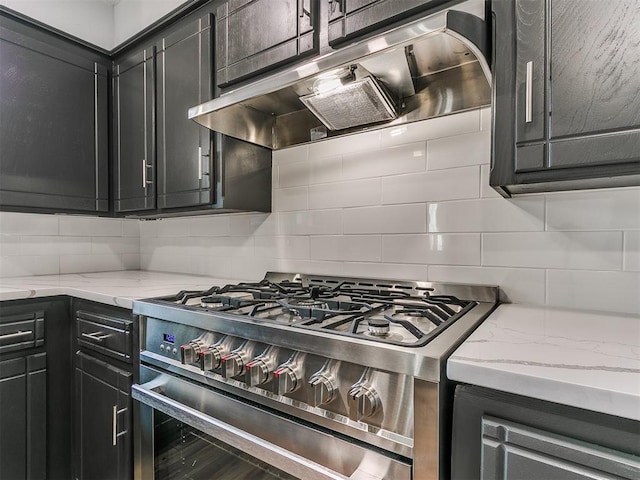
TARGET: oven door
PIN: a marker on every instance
(188, 430)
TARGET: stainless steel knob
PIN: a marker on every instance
(211, 358)
(363, 401)
(232, 365)
(190, 352)
(286, 379)
(322, 390)
(257, 372)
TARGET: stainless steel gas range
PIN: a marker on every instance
(301, 376)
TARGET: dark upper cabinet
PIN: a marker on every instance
(255, 35)
(134, 146)
(54, 122)
(350, 18)
(185, 79)
(566, 109)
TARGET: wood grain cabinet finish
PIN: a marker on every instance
(185, 79)
(255, 35)
(566, 107)
(134, 147)
(351, 18)
(54, 122)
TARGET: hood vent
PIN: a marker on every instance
(430, 67)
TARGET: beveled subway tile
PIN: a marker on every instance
(282, 247)
(253, 224)
(487, 191)
(107, 245)
(487, 215)
(210, 226)
(173, 227)
(336, 146)
(448, 249)
(28, 224)
(325, 170)
(603, 291)
(631, 251)
(570, 250)
(345, 194)
(388, 161)
(446, 126)
(431, 186)
(294, 174)
(517, 285)
(90, 263)
(355, 248)
(90, 226)
(289, 199)
(610, 209)
(410, 218)
(386, 271)
(22, 265)
(459, 151)
(311, 222)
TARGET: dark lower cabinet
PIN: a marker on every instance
(566, 110)
(23, 417)
(184, 62)
(35, 389)
(498, 436)
(103, 420)
(54, 122)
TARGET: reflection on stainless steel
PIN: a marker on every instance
(353, 366)
(433, 66)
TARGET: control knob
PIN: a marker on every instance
(286, 379)
(211, 358)
(190, 352)
(323, 389)
(257, 372)
(363, 401)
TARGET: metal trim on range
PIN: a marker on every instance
(239, 424)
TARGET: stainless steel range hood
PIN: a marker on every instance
(429, 67)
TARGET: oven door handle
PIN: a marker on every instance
(255, 446)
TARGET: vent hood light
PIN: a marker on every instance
(430, 67)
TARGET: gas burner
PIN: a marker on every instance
(378, 327)
(211, 302)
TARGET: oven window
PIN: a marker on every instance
(182, 452)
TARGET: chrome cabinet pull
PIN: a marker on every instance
(199, 163)
(528, 104)
(115, 432)
(145, 182)
(99, 336)
(19, 334)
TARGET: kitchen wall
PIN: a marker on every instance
(414, 202)
(131, 16)
(32, 244)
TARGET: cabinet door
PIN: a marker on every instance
(103, 420)
(595, 65)
(254, 35)
(23, 417)
(54, 122)
(349, 18)
(184, 62)
(134, 132)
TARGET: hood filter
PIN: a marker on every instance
(360, 102)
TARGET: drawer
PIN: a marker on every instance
(21, 331)
(105, 334)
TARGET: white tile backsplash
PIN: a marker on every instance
(409, 202)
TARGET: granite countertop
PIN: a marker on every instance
(584, 359)
(112, 288)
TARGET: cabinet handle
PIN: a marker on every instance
(9, 336)
(199, 163)
(99, 336)
(145, 182)
(115, 433)
(333, 4)
(528, 103)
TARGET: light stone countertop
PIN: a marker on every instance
(584, 359)
(112, 288)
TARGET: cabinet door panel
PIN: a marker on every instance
(53, 127)
(595, 62)
(134, 134)
(13, 419)
(281, 31)
(530, 70)
(184, 80)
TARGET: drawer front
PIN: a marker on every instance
(21, 331)
(105, 334)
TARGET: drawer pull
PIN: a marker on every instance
(98, 336)
(16, 335)
(117, 434)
